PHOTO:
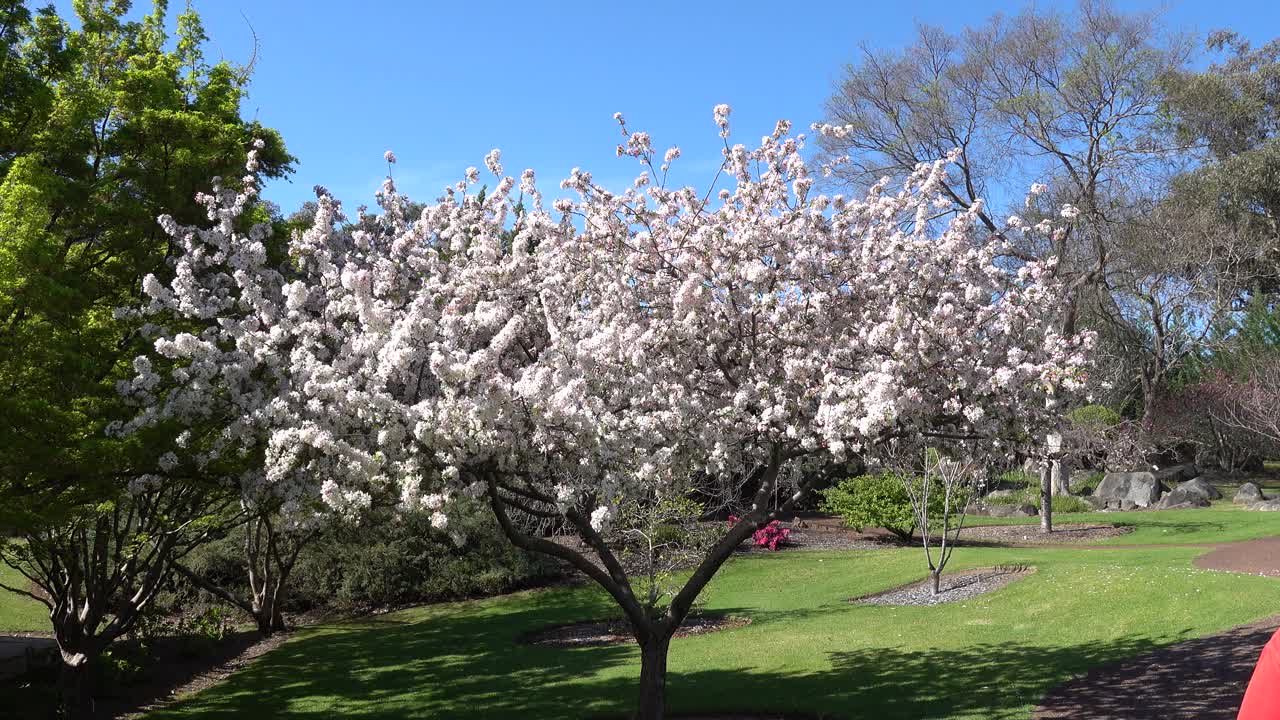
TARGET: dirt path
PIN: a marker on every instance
(1252, 557)
(1203, 678)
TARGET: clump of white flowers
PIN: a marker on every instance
(615, 346)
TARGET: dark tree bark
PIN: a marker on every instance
(652, 632)
(270, 559)
(653, 677)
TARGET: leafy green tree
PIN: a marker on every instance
(1231, 110)
(102, 129)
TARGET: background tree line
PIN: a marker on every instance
(1172, 171)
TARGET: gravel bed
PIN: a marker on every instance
(956, 586)
(609, 632)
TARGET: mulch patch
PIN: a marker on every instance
(1203, 678)
(954, 586)
(611, 632)
(1063, 534)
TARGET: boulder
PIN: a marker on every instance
(1196, 492)
(1096, 503)
(1248, 494)
(1001, 493)
(1175, 474)
(1194, 502)
(1126, 505)
(1011, 510)
(1269, 505)
(1140, 488)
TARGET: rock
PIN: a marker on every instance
(1094, 502)
(1197, 491)
(1175, 474)
(1195, 502)
(1011, 510)
(1126, 505)
(1031, 466)
(1001, 493)
(1140, 488)
(1269, 505)
(1247, 494)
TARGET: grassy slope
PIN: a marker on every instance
(17, 612)
(806, 649)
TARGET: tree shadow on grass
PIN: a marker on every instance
(466, 664)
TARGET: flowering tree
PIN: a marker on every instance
(615, 347)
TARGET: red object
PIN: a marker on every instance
(1262, 699)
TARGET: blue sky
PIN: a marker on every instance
(443, 83)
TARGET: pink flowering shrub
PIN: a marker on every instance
(770, 536)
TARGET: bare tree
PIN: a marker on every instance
(1043, 96)
(1252, 404)
(954, 481)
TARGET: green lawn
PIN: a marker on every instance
(1222, 522)
(18, 612)
(806, 650)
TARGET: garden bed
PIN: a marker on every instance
(961, 585)
(612, 632)
(1029, 534)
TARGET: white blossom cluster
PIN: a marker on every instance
(614, 345)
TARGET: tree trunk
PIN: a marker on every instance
(1046, 500)
(266, 612)
(936, 577)
(277, 619)
(653, 678)
(74, 682)
(1061, 477)
(1059, 470)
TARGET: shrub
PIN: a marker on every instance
(1095, 416)
(771, 535)
(406, 561)
(872, 501)
(1090, 483)
(401, 560)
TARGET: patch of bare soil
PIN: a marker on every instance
(1252, 557)
(1063, 534)
(961, 585)
(1203, 678)
(609, 632)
